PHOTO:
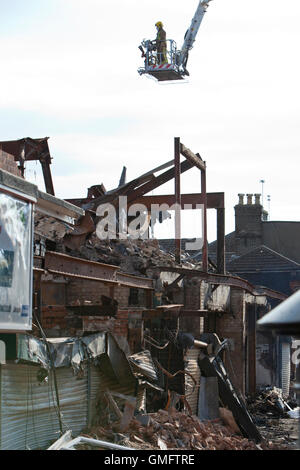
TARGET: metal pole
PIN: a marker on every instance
(221, 267)
(204, 249)
(262, 192)
(177, 200)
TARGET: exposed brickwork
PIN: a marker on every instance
(192, 296)
(193, 325)
(121, 323)
(81, 290)
(232, 326)
(117, 325)
(127, 324)
(7, 163)
(135, 330)
(53, 316)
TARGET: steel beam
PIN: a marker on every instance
(227, 280)
(204, 248)
(177, 200)
(251, 356)
(135, 281)
(191, 157)
(69, 265)
(214, 200)
(221, 266)
(157, 181)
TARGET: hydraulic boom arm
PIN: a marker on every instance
(191, 33)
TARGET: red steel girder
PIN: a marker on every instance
(69, 266)
(214, 200)
(219, 279)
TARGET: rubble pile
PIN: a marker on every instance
(268, 402)
(176, 430)
(133, 256)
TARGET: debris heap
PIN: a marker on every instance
(268, 402)
(176, 430)
(133, 256)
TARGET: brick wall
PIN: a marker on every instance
(135, 330)
(79, 289)
(127, 324)
(117, 325)
(232, 326)
(7, 163)
(193, 325)
(192, 293)
(53, 316)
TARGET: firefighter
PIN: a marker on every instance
(161, 43)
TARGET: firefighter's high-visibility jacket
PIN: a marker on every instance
(161, 40)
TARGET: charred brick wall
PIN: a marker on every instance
(135, 330)
(81, 290)
(117, 325)
(232, 326)
(54, 316)
(192, 294)
(7, 163)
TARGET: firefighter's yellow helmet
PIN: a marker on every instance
(159, 24)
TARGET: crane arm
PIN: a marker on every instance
(191, 33)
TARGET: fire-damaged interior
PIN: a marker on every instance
(161, 346)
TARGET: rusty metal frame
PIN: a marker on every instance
(136, 190)
(135, 281)
(28, 149)
(69, 266)
(228, 280)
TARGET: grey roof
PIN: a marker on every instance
(262, 259)
(229, 244)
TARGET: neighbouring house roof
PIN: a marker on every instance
(262, 259)
(283, 237)
(195, 256)
(229, 244)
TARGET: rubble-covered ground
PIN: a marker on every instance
(176, 430)
(279, 431)
(270, 415)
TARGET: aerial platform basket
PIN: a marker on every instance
(170, 64)
(162, 68)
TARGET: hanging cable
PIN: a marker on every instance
(52, 368)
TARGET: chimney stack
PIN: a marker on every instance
(241, 199)
(257, 199)
(248, 223)
(249, 199)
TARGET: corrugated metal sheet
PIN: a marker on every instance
(192, 367)
(94, 385)
(286, 369)
(142, 363)
(28, 416)
(28, 407)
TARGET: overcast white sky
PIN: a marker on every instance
(69, 71)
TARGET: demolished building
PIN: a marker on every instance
(174, 323)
